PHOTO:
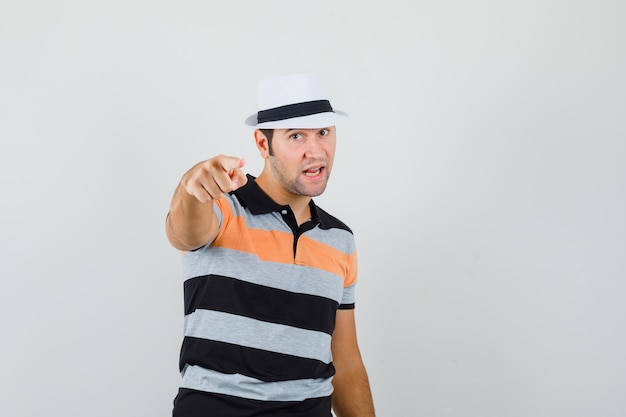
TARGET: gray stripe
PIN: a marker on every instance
(238, 385)
(339, 239)
(247, 267)
(268, 221)
(244, 331)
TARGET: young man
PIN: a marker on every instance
(269, 276)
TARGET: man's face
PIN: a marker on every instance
(301, 159)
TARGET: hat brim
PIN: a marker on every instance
(313, 121)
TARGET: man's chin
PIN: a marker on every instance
(311, 191)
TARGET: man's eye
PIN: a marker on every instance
(296, 136)
(325, 132)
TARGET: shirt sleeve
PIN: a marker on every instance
(224, 212)
(347, 302)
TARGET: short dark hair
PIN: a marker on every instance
(269, 134)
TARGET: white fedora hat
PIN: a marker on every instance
(293, 102)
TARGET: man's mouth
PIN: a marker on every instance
(313, 172)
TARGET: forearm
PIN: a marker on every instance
(189, 223)
(352, 396)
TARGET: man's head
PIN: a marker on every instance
(295, 132)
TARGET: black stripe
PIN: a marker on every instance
(255, 363)
(229, 295)
(192, 403)
(346, 306)
(294, 110)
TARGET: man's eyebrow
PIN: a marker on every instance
(311, 128)
(288, 131)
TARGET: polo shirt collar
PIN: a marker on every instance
(254, 199)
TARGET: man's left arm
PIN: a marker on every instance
(352, 396)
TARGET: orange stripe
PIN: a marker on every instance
(277, 246)
(268, 245)
(318, 255)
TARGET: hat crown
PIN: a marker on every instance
(291, 89)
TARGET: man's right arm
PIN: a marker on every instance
(191, 222)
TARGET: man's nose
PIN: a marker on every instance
(314, 148)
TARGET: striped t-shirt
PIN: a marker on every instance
(260, 307)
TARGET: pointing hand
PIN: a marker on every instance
(211, 179)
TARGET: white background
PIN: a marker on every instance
(482, 170)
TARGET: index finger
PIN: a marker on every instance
(231, 162)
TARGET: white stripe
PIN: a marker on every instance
(244, 331)
(198, 378)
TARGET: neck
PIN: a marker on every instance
(299, 203)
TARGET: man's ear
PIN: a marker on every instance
(262, 143)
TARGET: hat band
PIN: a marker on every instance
(294, 110)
